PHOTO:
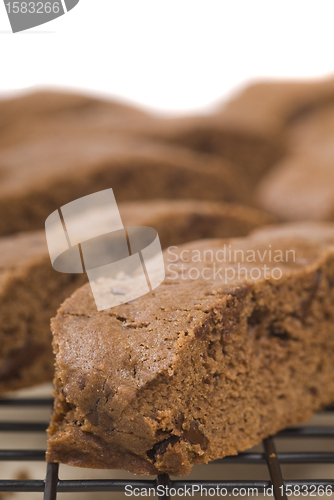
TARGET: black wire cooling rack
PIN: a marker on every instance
(52, 485)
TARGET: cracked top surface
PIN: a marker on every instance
(119, 350)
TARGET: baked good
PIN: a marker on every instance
(81, 115)
(215, 359)
(301, 187)
(22, 114)
(312, 131)
(39, 176)
(31, 291)
(269, 107)
(179, 221)
(251, 129)
(241, 143)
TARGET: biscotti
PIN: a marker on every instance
(312, 131)
(179, 221)
(39, 176)
(271, 106)
(252, 128)
(301, 187)
(239, 142)
(31, 291)
(244, 146)
(236, 344)
(35, 111)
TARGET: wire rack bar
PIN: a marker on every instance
(19, 486)
(274, 469)
(284, 458)
(52, 485)
(307, 432)
(26, 402)
(164, 480)
(51, 481)
(22, 455)
(23, 426)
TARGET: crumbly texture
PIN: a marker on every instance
(31, 291)
(198, 368)
(40, 176)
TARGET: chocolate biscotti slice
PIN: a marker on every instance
(241, 143)
(252, 128)
(45, 114)
(38, 177)
(301, 187)
(31, 108)
(31, 291)
(312, 131)
(272, 106)
(268, 110)
(234, 141)
(235, 344)
(180, 221)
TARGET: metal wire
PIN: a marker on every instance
(52, 485)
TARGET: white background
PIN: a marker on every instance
(175, 55)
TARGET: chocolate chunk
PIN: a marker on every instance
(161, 448)
(258, 316)
(195, 436)
(277, 331)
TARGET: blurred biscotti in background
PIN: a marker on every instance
(236, 141)
(22, 115)
(300, 186)
(269, 146)
(180, 221)
(39, 176)
(270, 107)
